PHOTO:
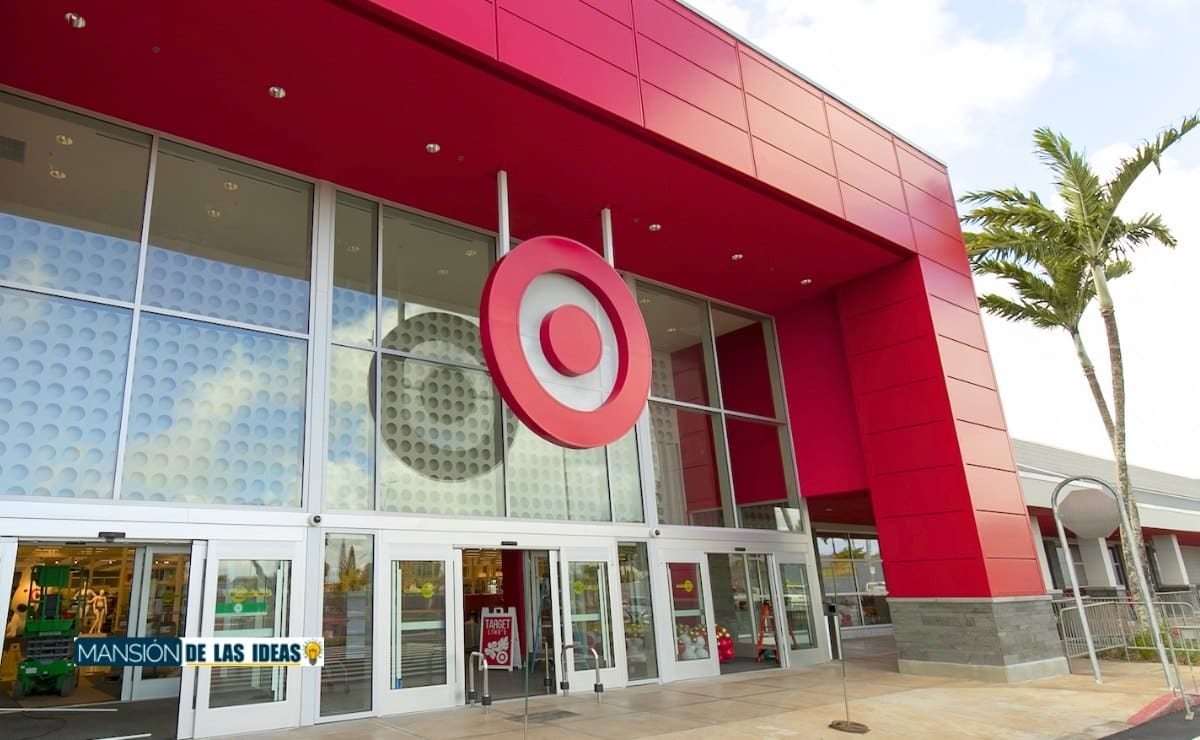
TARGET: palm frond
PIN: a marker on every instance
(1147, 153)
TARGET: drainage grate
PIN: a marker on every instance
(547, 716)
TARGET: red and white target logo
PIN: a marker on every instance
(565, 342)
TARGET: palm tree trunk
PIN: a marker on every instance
(1089, 372)
(1132, 541)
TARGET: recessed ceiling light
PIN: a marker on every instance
(671, 330)
(353, 248)
(276, 92)
(644, 300)
(737, 256)
(76, 20)
(231, 186)
(443, 271)
(64, 140)
(471, 252)
(214, 213)
(57, 174)
(433, 147)
(806, 281)
(655, 227)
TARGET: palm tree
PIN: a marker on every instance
(1058, 263)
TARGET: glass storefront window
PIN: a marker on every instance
(433, 275)
(354, 271)
(546, 481)
(591, 622)
(441, 440)
(216, 415)
(418, 650)
(228, 240)
(350, 468)
(742, 363)
(252, 601)
(680, 346)
(797, 606)
(625, 479)
(688, 612)
(347, 623)
(62, 380)
(853, 577)
(641, 655)
(689, 483)
(756, 465)
(72, 193)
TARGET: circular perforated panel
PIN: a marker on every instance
(51, 256)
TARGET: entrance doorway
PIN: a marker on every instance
(747, 637)
(62, 590)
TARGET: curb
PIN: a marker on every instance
(1160, 707)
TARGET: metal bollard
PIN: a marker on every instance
(547, 682)
(565, 685)
(486, 699)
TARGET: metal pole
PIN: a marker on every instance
(502, 234)
(1127, 528)
(606, 235)
(1062, 538)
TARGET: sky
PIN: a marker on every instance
(968, 82)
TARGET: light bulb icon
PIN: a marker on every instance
(313, 651)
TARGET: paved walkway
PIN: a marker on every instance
(797, 703)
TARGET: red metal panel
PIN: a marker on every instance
(903, 405)
(965, 362)
(863, 137)
(829, 455)
(995, 490)
(783, 91)
(876, 216)
(688, 35)
(688, 81)
(797, 177)
(911, 448)
(928, 209)
(923, 173)
(868, 177)
(894, 365)
(582, 25)
(1012, 577)
(891, 324)
(470, 22)
(945, 578)
(621, 10)
(975, 403)
(891, 284)
(790, 135)
(949, 285)
(957, 323)
(945, 249)
(947, 535)
(544, 55)
(924, 491)
(985, 446)
(687, 124)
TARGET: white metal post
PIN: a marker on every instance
(502, 233)
(606, 235)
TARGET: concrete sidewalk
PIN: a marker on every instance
(797, 703)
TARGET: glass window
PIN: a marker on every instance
(350, 469)
(252, 601)
(418, 655)
(346, 624)
(62, 380)
(591, 620)
(641, 656)
(688, 612)
(757, 466)
(354, 271)
(546, 481)
(689, 482)
(680, 346)
(797, 606)
(849, 613)
(625, 480)
(216, 415)
(441, 449)
(72, 194)
(743, 364)
(228, 240)
(433, 275)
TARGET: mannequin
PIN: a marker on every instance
(98, 604)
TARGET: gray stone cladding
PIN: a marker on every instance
(977, 632)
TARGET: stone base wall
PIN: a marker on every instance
(1005, 639)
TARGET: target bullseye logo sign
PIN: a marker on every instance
(565, 342)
